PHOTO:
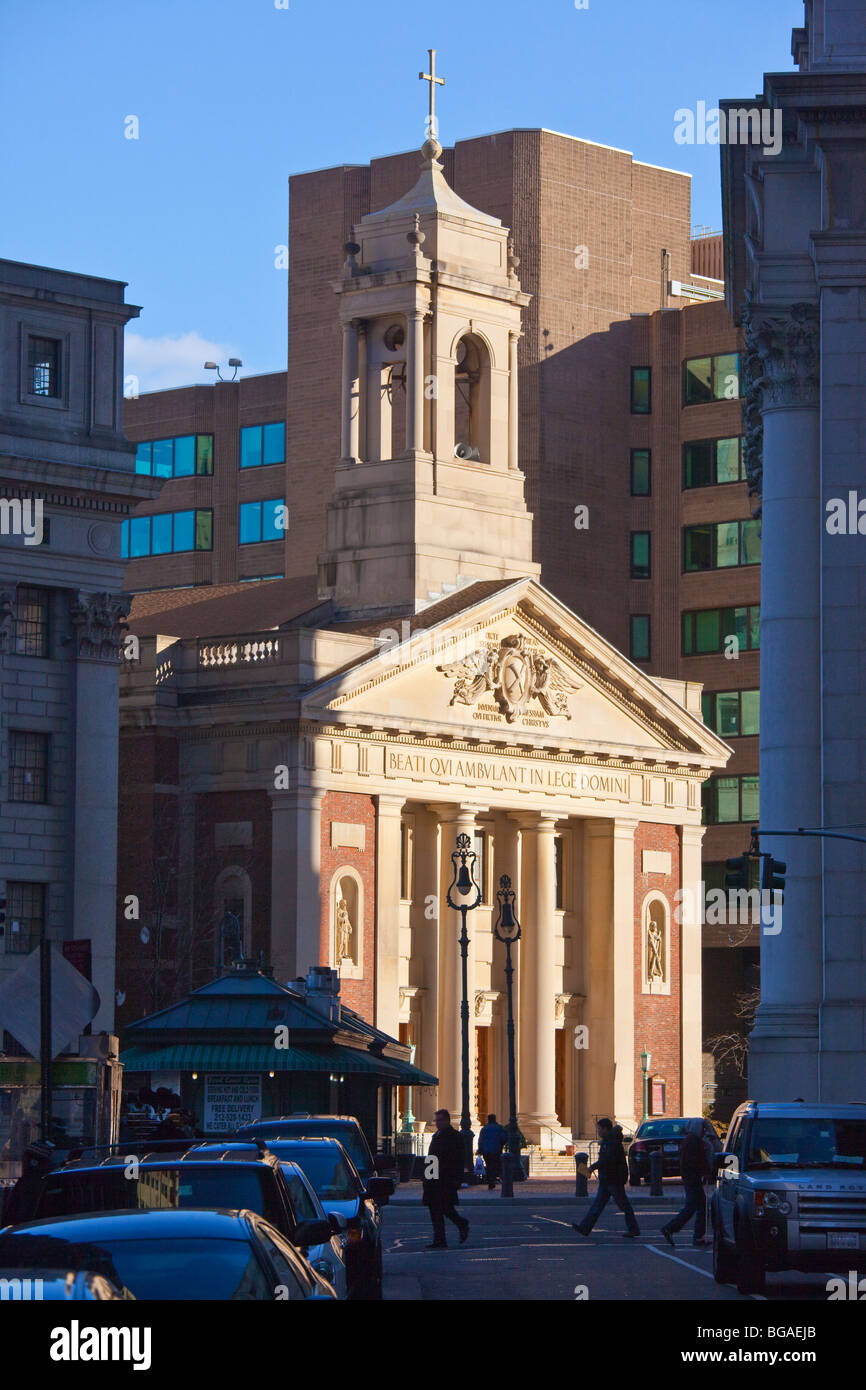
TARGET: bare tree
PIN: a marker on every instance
(731, 1049)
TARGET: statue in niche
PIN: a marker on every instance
(655, 952)
(343, 932)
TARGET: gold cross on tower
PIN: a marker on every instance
(434, 83)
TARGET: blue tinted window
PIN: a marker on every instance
(142, 458)
(160, 536)
(251, 446)
(162, 452)
(272, 519)
(124, 539)
(274, 443)
(184, 530)
(139, 536)
(184, 456)
(204, 529)
(250, 522)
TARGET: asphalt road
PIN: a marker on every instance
(529, 1251)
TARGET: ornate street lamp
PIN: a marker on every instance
(463, 896)
(507, 929)
(645, 1060)
(408, 1125)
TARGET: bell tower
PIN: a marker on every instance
(428, 495)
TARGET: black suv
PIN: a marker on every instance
(343, 1127)
(210, 1176)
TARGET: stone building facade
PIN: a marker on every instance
(796, 280)
(66, 467)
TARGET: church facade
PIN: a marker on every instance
(310, 751)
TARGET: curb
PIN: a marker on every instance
(546, 1200)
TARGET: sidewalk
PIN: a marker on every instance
(547, 1190)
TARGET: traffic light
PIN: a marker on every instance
(739, 871)
(773, 878)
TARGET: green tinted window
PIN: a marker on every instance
(204, 530)
(640, 636)
(697, 386)
(640, 473)
(750, 716)
(640, 554)
(751, 543)
(728, 461)
(726, 377)
(751, 801)
(204, 454)
(698, 463)
(727, 713)
(640, 390)
(699, 547)
(707, 630)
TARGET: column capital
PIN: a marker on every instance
(624, 827)
(307, 798)
(541, 821)
(389, 805)
(98, 624)
(450, 812)
(692, 835)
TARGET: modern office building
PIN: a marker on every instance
(67, 482)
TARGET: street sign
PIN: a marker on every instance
(74, 1002)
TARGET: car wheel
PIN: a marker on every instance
(750, 1271)
(724, 1266)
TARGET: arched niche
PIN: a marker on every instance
(346, 913)
(472, 396)
(233, 893)
(655, 944)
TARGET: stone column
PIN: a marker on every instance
(349, 431)
(415, 381)
(690, 932)
(296, 905)
(597, 1062)
(624, 1041)
(361, 420)
(427, 899)
(536, 1028)
(782, 368)
(455, 820)
(97, 631)
(513, 404)
(388, 822)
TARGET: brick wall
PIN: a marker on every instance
(355, 809)
(657, 1018)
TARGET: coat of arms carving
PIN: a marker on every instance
(514, 675)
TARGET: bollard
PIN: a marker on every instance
(581, 1173)
(656, 1162)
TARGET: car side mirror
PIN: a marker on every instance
(380, 1189)
(312, 1233)
(337, 1222)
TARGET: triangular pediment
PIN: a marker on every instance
(516, 669)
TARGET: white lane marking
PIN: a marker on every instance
(552, 1221)
(705, 1272)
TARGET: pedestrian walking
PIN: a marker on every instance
(491, 1141)
(694, 1169)
(612, 1175)
(441, 1188)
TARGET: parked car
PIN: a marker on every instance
(790, 1192)
(171, 1254)
(343, 1127)
(207, 1177)
(40, 1285)
(665, 1133)
(340, 1189)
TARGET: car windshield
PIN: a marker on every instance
(807, 1142)
(662, 1129)
(187, 1268)
(348, 1135)
(109, 1189)
(326, 1169)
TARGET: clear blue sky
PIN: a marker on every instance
(233, 96)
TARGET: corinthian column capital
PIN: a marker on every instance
(782, 354)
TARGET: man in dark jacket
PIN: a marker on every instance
(694, 1169)
(612, 1174)
(491, 1142)
(443, 1171)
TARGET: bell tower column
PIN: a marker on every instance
(351, 395)
(415, 381)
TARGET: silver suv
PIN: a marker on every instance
(790, 1192)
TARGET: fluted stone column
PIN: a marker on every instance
(415, 381)
(296, 907)
(513, 402)
(455, 820)
(690, 933)
(536, 1028)
(349, 431)
(783, 370)
(388, 822)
